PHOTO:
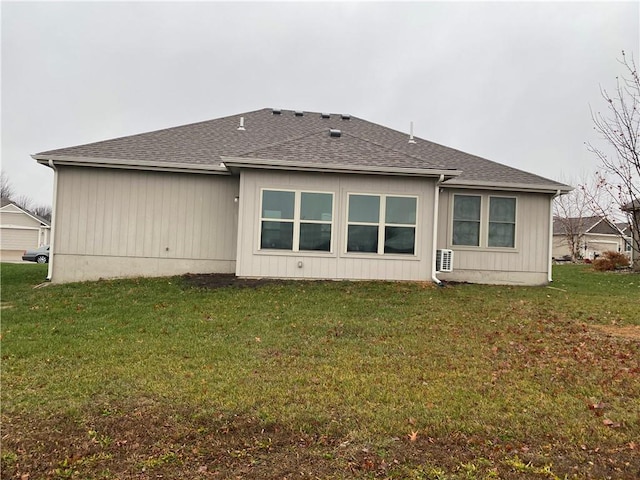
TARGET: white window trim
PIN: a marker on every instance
(485, 200)
(381, 224)
(296, 221)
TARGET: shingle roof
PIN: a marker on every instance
(297, 139)
(582, 225)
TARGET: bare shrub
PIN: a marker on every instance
(610, 261)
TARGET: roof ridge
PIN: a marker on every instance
(281, 142)
(392, 149)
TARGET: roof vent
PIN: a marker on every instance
(345, 116)
(325, 115)
(411, 140)
(299, 113)
(276, 111)
(334, 132)
(241, 127)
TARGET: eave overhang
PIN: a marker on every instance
(520, 187)
(234, 164)
(213, 168)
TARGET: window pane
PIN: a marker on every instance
(277, 204)
(502, 234)
(362, 238)
(466, 233)
(364, 208)
(502, 210)
(316, 206)
(401, 210)
(277, 235)
(399, 240)
(315, 236)
(466, 207)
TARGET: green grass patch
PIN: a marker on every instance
(372, 378)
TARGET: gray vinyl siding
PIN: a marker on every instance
(116, 223)
(337, 264)
(526, 263)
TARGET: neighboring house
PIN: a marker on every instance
(595, 235)
(284, 194)
(20, 230)
(627, 232)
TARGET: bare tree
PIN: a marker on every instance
(43, 211)
(6, 188)
(619, 127)
(23, 201)
(573, 212)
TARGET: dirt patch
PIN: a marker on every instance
(222, 280)
(628, 331)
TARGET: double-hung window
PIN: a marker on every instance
(296, 221)
(502, 222)
(381, 224)
(481, 221)
(466, 220)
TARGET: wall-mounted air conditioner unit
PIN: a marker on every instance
(444, 260)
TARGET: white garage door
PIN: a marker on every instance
(18, 239)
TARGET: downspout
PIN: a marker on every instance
(436, 198)
(550, 265)
(52, 233)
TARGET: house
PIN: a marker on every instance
(20, 230)
(593, 235)
(295, 194)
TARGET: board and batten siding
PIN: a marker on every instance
(337, 264)
(526, 264)
(124, 223)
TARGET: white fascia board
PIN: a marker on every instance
(518, 187)
(132, 164)
(272, 164)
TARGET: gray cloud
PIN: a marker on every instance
(508, 81)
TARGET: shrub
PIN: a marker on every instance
(610, 261)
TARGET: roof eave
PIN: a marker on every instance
(236, 163)
(520, 187)
(131, 164)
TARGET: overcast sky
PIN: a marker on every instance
(511, 82)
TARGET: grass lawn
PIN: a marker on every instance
(159, 377)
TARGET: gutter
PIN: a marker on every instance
(434, 247)
(52, 234)
(520, 187)
(132, 164)
(275, 164)
(550, 265)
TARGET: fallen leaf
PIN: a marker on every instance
(610, 423)
(413, 436)
(597, 406)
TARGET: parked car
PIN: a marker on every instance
(39, 255)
